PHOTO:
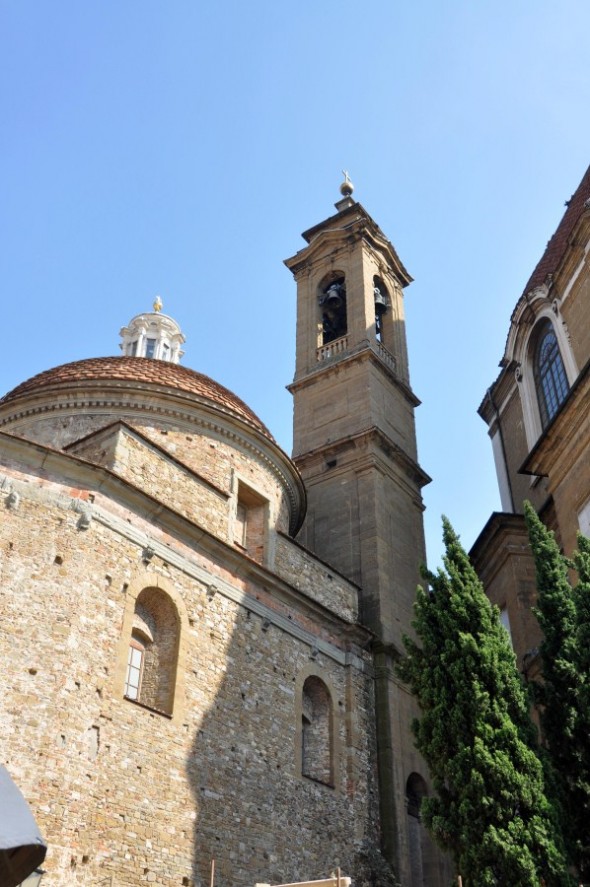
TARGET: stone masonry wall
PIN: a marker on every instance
(147, 468)
(126, 796)
(219, 462)
(316, 579)
(217, 459)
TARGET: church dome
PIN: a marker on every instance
(81, 409)
(142, 371)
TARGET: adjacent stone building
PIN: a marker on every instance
(538, 415)
(197, 633)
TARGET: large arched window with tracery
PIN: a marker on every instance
(549, 371)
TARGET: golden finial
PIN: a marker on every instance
(346, 188)
(157, 304)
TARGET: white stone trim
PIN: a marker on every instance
(163, 329)
(584, 519)
(528, 392)
(501, 471)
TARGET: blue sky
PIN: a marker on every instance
(180, 148)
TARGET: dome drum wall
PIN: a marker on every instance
(196, 420)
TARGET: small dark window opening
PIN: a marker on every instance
(549, 372)
(150, 347)
(332, 303)
(415, 791)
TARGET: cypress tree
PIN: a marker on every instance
(490, 809)
(581, 801)
(563, 694)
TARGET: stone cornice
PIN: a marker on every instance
(352, 224)
(362, 352)
(492, 547)
(394, 453)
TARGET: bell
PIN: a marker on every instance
(333, 300)
(380, 301)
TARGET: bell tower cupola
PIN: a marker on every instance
(153, 335)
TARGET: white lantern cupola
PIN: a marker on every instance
(153, 335)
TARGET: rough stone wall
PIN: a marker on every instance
(219, 462)
(316, 579)
(149, 469)
(217, 459)
(58, 431)
(126, 796)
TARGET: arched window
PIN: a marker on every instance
(332, 304)
(316, 732)
(381, 299)
(549, 372)
(415, 791)
(153, 651)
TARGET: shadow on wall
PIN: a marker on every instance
(257, 816)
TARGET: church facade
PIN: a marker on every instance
(538, 415)
(198, 633)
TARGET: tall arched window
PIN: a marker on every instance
(415, 791)
(153, 651)
(316, 731)
(549, 372)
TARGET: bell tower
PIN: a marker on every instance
(354, 430)
(355, 446)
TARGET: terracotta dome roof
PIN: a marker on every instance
(144, 371)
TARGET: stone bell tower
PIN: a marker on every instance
(355, 446)
(354, 431)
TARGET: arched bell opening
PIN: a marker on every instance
(382, 302)
(332, 308)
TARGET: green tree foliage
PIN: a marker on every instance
(490, 809)
(563, 694)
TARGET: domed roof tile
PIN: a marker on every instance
(144, 371)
